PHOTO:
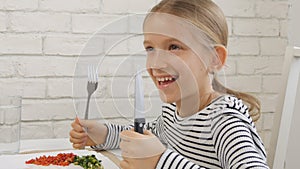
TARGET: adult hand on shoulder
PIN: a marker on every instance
(87, 133)
(140, 150)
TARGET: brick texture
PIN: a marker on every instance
(14, 5)
(2, 22)
(40, 22)
(74, 6)
(20, 44)
(236, 8)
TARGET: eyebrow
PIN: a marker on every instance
(146, 41)
(167, 40)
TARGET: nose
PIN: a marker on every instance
(155, 60)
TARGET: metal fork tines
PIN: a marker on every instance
(92, 85)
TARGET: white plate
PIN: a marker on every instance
(18, 161)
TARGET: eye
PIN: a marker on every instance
(174, 47)
(149, 49)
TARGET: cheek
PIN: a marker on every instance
(147, 63)
(197, 67)
(151, 75)
(193, 74)
(149, 71)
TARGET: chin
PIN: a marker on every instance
(167, 99)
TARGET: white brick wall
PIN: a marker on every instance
(64, 45)
(74, 6)
(59, 88)
(20, 44)
(13, 5)
(6, 67)
(268, 83)
(272, 9)
(259, 65)
(236, 8)
(2, 22)
(284, 28)
(251, 83)
(256, 27)
(46, 66)
(244, 46)
(41, 39)
(40, 22)
(128, 6)
(273, 46)
(84, 23)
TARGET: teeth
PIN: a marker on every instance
(162, 79)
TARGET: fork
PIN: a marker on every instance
(92, 85)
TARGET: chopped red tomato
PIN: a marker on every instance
(61, 159)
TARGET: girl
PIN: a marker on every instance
(203, 124)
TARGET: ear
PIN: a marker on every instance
(219, 61)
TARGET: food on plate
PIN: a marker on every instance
(88, 162)
(61, 159)
(65, 159)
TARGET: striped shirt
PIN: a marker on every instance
(222, 135)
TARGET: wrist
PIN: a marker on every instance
(104, 130)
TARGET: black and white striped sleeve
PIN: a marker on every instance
(235, 146)
(156, 126)
(113, 139)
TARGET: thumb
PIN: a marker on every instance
(77, 120)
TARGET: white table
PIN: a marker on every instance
(27, 146)
(37, 147)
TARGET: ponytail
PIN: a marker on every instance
(251, 101)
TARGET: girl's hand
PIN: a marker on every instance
(87, 133)
(140, 150)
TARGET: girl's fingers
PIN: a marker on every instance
(77, 127)
(78, 146)
(78, 135)
(77, 141)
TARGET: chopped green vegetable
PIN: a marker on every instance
(88, 162)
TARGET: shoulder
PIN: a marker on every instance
(229, 102)
(227, 107)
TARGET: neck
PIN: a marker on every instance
(193, 104)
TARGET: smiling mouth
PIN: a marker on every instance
(164, 82)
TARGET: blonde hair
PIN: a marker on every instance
(207, 16)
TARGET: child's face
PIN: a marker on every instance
(176, 70)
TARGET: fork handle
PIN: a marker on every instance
(86, 115)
